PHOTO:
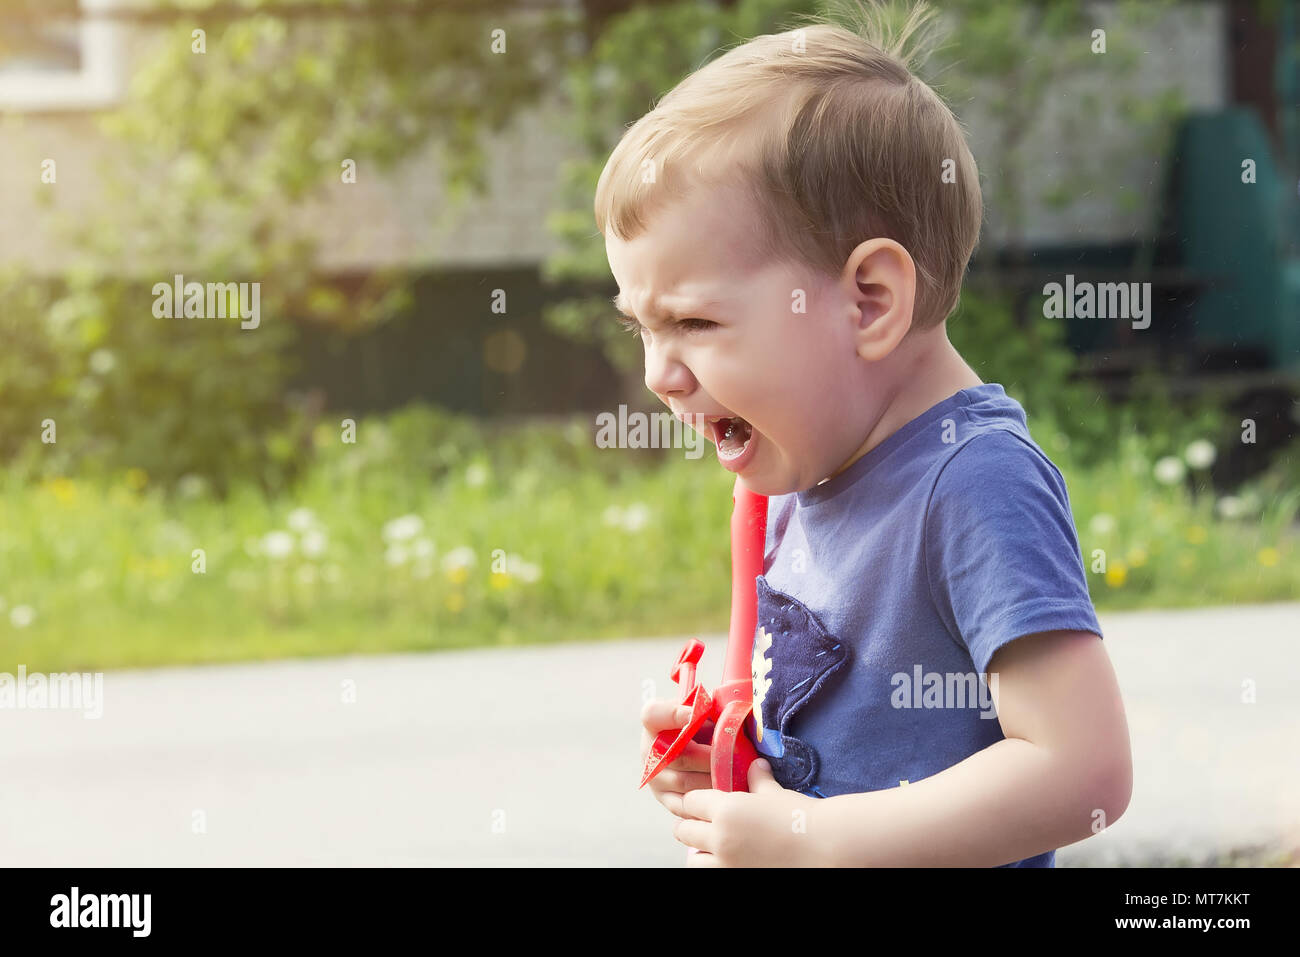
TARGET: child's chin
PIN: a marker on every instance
(769, 486)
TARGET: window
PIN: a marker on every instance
(61, 55)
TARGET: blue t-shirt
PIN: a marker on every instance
(887, 589)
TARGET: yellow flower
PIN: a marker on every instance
(1267, 557)
(136, 479)
(457, 574)
(1116, 574)
(1137, 557)
(455, 601)
(1196, 534)
(64, 490)
(500, 580)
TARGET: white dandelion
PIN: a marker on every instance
(525, 571)
(1230, 507)
(302, 520)
(1200, 454)
(1169, 470)
(630, 519)
(191, 486)
(403, 528)
(636, 516)
(1102, 524)
(458, 558)
(102, 361)
(277, 545)
(314, 543)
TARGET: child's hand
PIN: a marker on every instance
(691, 769)
(767, 826)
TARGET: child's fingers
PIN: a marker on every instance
(694, 757)
(677, 783)
(682, 781)
(661, 714)
(689, 771)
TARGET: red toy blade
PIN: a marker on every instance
(668, 745)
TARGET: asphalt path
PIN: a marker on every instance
(529, 756)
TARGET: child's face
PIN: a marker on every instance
(769, 342)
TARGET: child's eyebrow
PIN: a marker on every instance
(675, 314)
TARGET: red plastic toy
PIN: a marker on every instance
(732, 701)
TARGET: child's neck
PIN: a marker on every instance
(925, 369)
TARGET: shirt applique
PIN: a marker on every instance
(794, 659)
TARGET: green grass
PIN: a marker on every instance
(105, 567)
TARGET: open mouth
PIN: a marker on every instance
(731, 436)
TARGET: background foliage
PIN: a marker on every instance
(184, 439)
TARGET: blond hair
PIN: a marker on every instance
(835, 139)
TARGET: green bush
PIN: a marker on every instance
(1064, 411)
(128, 390)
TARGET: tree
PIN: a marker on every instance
(241, 116)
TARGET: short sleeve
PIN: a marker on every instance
(1001, 552)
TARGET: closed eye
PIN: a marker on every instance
(688, 325)
(697, 325)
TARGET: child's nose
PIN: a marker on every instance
(666, 375)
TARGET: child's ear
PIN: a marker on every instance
(883, 292)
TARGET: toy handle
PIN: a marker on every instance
(733, 700)
(748, 541)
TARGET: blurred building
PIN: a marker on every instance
(1225, 268)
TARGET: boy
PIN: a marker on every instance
(789, 228)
